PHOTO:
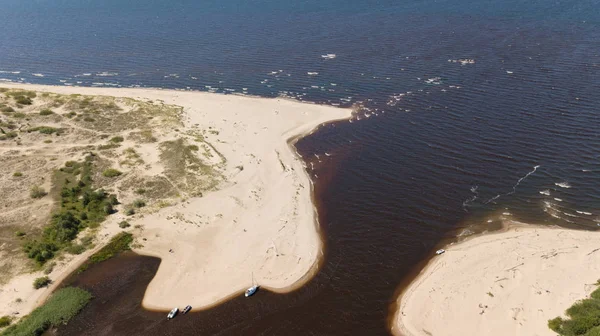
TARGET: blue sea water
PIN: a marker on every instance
(437, 148)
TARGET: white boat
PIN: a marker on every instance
(252, 290)
(172, 313)
(440, 251)
(329, 56)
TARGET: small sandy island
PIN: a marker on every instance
(256, 221)
(506, 283)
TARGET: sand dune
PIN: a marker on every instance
(259, 222)
(506, 283)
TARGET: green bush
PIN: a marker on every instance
(37, 192)
(584, 318)
(41, 282)
(124, 224)
(193, 148)
(17, 174)
(139, 203)
(130, 212)
(19, 233)
(59, 309)
(5, 321)
(23, 100)
(117, 139)
(8, 135)
(19, 115)
(8, 109)
(46, 112)
(111, 172)
(140, 191)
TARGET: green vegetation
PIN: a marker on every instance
(119, 243)
(139, 203)
(5, 321)
(23, 100)
(117, 139)
(19, 233)
(124, 224)
(37, 192)
(41, 282)
(130, 212)
(46, 112)
(583, 318)
(59, 309)
(8, 135)
(17, 174)
(111, 172)
(140, 191)
(80, 206)
(7, 109)
(44, 130)
(19, 115)
(109, 146)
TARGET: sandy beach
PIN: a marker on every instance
(504, 283)
(258, 223)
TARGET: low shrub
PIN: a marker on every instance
(5, 321)
(41, 282)
(37, 192)
(23, 100)
(117, 139)
(124, 224)
(130, 212)
(111, 172)
(7, 109)
(46, 112)
(139, 203)
(17, 174)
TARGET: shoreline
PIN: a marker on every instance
(506, 282)
(215, 253)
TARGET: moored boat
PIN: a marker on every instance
(172, 313)
(186, 309)
(250, 291)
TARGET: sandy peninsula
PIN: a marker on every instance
(505, 283)
(257, 224)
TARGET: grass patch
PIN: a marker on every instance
(8, 135)
(41, 282)
(46, 112)
(7, 109)
(5, 321)
(124, 224)
(109, 146)
(17, 174)
(119, 243)
(111, 172)
(139, 203)
(37, 192)
(59, 309)
(44, 130)
(583, 318)
(117, 139)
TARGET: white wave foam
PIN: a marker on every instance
(545, 192)
(107, 74)
(570, 215)
(38, 75)
(583, 212)
(558, 199)
(310, 73)
(514, 189)
(563, 184)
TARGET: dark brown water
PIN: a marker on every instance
(446, 149)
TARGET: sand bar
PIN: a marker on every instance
(505, 283)
(260, 222)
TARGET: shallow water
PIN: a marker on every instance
(440, 149)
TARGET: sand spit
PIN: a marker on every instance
(259, 222)
(506, 283)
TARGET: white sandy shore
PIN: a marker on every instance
(506, 283)
(262, 222)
